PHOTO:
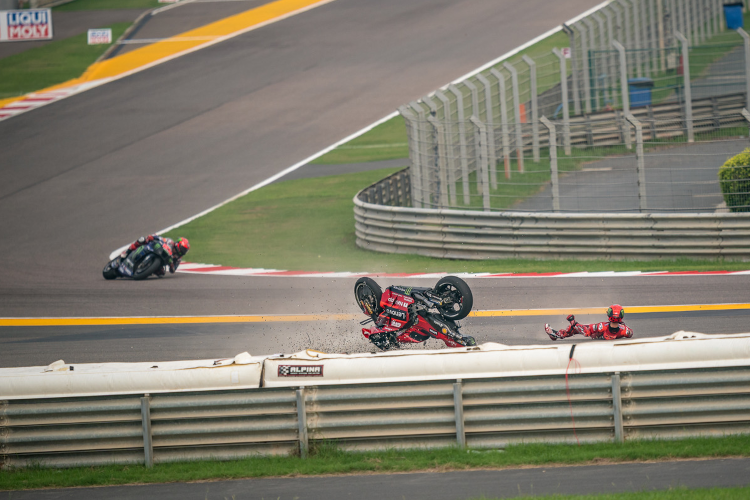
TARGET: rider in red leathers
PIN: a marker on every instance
(612, 330)
(177, 249)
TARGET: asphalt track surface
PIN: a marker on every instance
(508, 483)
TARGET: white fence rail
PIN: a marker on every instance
(481, 413)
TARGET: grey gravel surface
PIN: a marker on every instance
(509, 483)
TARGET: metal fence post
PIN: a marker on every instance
(490, 129)
(302, 423)
(516, 114)
(475, 111)
(591, 76)
(148, 443)
(623, 87)
(483, 179)
(442, 174)
(746, 40)
(504, 120)
(686, 79)
(701, 18)
(637, 38)
(462, 142)
(617, 407)
(574, 68)
(626, 22)
(639, 161)
(586, 72)
(534, 107)
(416, 180)
(449, 147)
(553, 163)
(424, 154)
(458, 408)
(565, 110)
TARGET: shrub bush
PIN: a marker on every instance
(734, 179)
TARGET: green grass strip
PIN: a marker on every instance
(51, 64)
(327, 458)
(387, 141)
(670, 494)
(308, 225)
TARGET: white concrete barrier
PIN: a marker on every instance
(678, 351)
(97, 379)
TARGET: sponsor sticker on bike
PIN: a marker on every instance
(27, 24)
(300, 371)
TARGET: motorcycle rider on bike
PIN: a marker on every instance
(177, 249)
(611, 330)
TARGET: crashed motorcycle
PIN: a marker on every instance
(412, 315)
(141, 263)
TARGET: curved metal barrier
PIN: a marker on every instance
(468, 234)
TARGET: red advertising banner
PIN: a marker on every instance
(20, 25)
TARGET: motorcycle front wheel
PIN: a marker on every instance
(460, 299)
(109, 272)
(146, 267)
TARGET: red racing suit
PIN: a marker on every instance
(167, 243)
(600, 331)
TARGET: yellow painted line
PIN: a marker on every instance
(281, 318)
(186, 42)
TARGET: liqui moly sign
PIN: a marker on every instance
(30, 24)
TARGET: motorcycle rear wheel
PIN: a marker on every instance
(146, 269)
(460, 294)
(367, 293)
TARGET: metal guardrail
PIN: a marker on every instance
(481, 413)
(468, 234)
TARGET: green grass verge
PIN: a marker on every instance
(107, 5)
(327, 458)
(53, 63)
(308, 224)
(670, 494)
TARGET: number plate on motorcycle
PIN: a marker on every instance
(300, 370)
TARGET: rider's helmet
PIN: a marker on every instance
(181, 246)
(615, 313)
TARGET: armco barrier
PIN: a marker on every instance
(471, 234)
(678, 386)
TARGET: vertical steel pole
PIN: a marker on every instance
(611, 64)
(701, 19)
(449, 146)
(482, 164)
(462, 142)
(565, 110)
(415, 170)
(458, 409)
(574, 68)
(591, 75)
(746, 39)
(553, 163)
(604, 57)
(640, 167)
(442, 170)
(534, 107)
(516, 113)
(688, 94)
(490, 128)
(302, 423)
(586, 72)
(425, 146)
(477, 139)
(617, 407)
(637, 38)
(624, 87)
(722, 22)
(148, 444)
(504, 120)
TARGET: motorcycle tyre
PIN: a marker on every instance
(463, 289)
(376, 291)
(151, 269)
(109, 272)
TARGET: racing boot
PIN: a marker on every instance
(553, 334)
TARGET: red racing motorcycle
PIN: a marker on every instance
(410, 315)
